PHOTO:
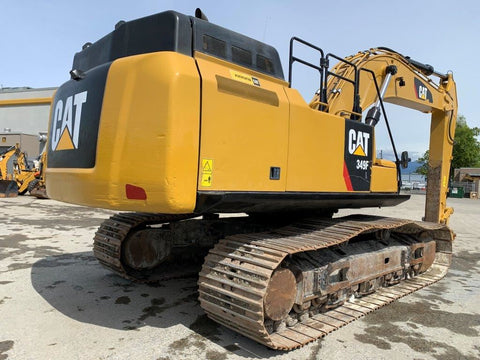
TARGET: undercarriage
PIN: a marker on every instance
(281, 284)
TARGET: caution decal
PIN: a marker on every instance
(244, 78)
(207, 172)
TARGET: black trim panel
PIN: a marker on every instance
(358, 154)
(166, 31)
(75, 117)
(172, 31)
(252, 202)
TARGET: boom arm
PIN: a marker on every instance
(407, 83)
(4, 159)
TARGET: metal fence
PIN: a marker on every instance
(468, 187)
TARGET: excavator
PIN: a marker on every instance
(8, 187)
(15, 173)
(193, 134)
(37, 186)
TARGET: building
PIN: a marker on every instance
(29, 143)
(24, 114)
(468, 178)
(25, 110)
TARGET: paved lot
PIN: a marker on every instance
(57, 302)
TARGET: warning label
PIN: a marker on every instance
(244, 78)
(207, 166)
(206, 180)
(207, 172)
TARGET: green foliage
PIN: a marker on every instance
(423, 169)
(466, 148)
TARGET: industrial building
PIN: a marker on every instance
(29, 143)
(24, 116)
(466, 181)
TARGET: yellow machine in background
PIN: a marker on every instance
(37, 186)
(15, 173)
(8, 187)
(220, 130)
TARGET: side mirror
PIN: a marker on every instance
(405, 160)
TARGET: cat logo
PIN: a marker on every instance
(358, 142)
(66, 122)
(357, 155)
(422, 91)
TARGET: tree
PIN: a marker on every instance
(423, 169)
(466, 148)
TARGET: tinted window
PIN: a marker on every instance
(214, 46)
(241, 56)
(233, 47)
(265, 64)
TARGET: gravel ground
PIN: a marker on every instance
(57, 302)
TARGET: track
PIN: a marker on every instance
(235, 277)
(107, 244)
(236, 273)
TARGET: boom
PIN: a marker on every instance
(385, 75)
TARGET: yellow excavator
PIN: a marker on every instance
(37, 186)
(8, 187)
(15, 173)
(221, 131)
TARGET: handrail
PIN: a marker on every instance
(292, 58)
(322, 68)
(355, 82)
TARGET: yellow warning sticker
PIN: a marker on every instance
(244, 78)
(207, 172)
(207, 166)
(206, 179)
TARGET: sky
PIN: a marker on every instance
(39, 39)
